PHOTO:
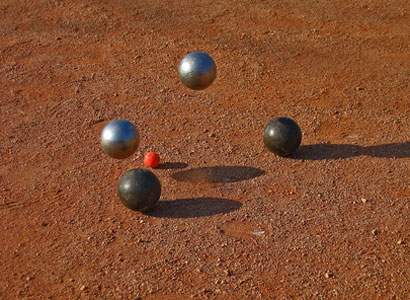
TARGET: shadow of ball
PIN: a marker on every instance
(194, 207)
(217, 174)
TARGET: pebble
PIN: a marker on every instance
(328, 274)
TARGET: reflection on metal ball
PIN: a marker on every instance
(197, 70)
(119, 139)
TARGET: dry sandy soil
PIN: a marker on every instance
(234, 220)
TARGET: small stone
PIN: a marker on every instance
(328, 274)
(364, 200)
(83, 288)
(375, 232)
(116, 94)
(400, 242)
(28, 278)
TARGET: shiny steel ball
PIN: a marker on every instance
(282, 136)
(139, 189)
(119, 139)
(197, 70)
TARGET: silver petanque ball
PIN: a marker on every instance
(119, 139)
(197, 70)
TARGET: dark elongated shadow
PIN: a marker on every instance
(218, 174)
(172, 166)
(193, 208)
(342, 151)
(14, 205)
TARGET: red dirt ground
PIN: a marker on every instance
(234, 221)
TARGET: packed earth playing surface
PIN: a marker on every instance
(234, 221)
